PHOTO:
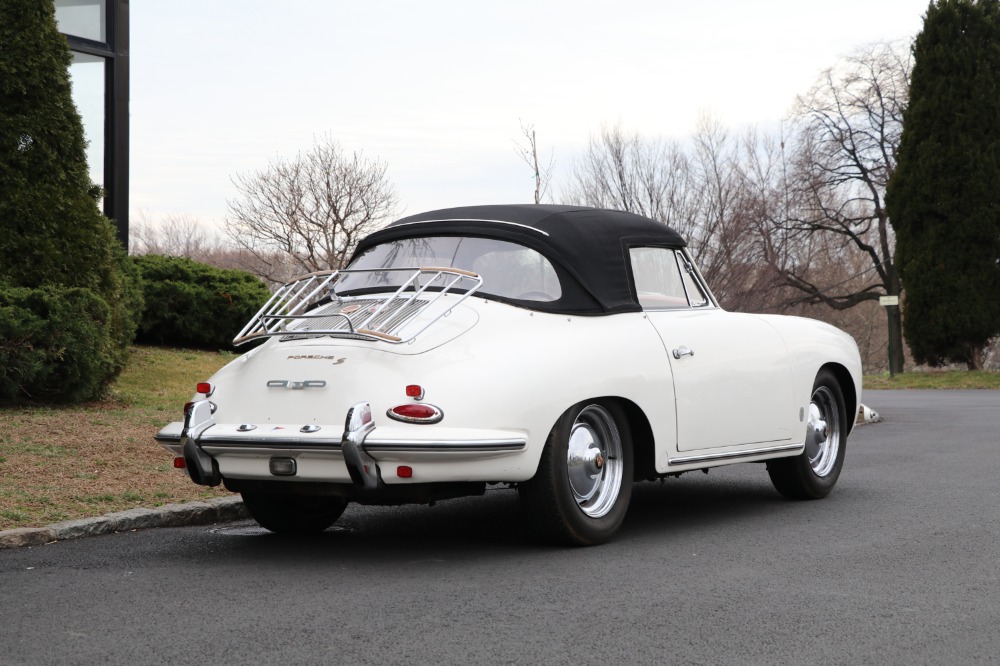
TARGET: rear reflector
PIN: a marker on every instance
(415, 391)
(404, 472)
(204, 387)
(179, 463)
(415, 413)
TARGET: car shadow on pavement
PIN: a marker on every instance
(493, 525)
(694, 500)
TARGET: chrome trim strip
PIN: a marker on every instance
(470, 219)
(262, 443)
(688, 460)
(383, 445)
(172, 432)
(484, 445)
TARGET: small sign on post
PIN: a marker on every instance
(887, 302)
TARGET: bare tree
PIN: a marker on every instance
(708, 194)
(627, 172)
(849, 129)
(308, 213)
(178, 235)
(722, 232)
(529, 153)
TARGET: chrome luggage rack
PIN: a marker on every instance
(310, 306)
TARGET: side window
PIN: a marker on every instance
(665, 279)
(658, 280)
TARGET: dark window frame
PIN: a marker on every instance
(116, 121)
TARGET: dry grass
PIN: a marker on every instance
(63, 463)
(935, 379)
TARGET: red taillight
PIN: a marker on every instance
(404, 472)
(204, 387)
(179, 463)
(415, 391)
(415, 413)
(187, 407)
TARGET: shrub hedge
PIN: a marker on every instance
(71, 299)
(55, 344)
(189, 304)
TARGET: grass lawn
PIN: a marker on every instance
(63, 463)
(935, 379)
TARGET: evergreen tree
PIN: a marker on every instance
(944, 197)
(52, 233)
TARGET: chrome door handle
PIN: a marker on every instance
(682, 351)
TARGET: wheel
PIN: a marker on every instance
(813, 473)
(581, 490)
(293, 514)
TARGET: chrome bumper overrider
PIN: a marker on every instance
(202, 469)
(200, 440)
(361, 466)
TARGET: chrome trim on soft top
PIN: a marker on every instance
(469, 219)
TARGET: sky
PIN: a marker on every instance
(438, 89)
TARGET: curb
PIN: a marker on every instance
(217, 510)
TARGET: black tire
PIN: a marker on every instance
(584, 503)
(293, 514)
(813, 473)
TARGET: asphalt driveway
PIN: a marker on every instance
(899, 565)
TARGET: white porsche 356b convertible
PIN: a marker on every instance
(567, 351)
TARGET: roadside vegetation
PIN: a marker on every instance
(935, 379)
(796, 222)
(61, 463)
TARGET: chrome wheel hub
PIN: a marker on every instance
(823, 431)
(593, 461)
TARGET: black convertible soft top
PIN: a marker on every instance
(587, 246)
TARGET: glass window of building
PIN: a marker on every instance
(83, 18)
(87, 76)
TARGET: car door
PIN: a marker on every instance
(732, 378)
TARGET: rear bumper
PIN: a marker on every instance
(340, 454)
